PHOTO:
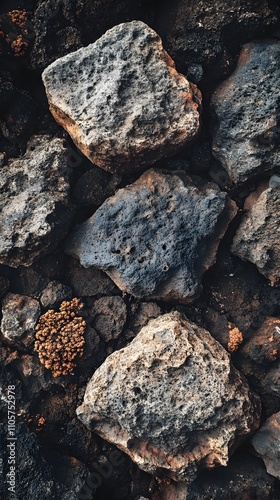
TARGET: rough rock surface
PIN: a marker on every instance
(171, 400)
(121, 99)
(258, 237)
(109, 316)
(54, 294)
(246, 106)
(156, 237)
(267, 444)
(20, 315)
(35, 210)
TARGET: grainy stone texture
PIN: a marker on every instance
(95, 186)
(171, 400)
(258, 237)
(54, 294)
(35, 210)
(20, 315)
(246, 107)
(109, 316)
(89, 282)
(121, 99)
(267, 444)
(156, 237)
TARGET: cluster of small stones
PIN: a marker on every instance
(60, 337)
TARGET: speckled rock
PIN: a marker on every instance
(267, 444)
(35, 209)
(54, 294)
(171, 400)
(20, 315)
(121, 99)
(156, 237)
(258, 237)
(109, 316)
(246, 106)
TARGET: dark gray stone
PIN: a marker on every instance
(95, 186)
(54, 294)
(109, 317)
(267, 444)
(89, 282)
(156, 237)
(20, 315)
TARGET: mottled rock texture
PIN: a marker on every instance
(19, 317)
(35, 210)
(171, 400)
(121, 99)
(267, 444)
(156, 237)
(258, 237)
(246, 107)
(109, 316)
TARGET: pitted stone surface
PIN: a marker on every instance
(35, 208)
(258, 237)
(156, 237)
(246, 106)
(267, 444)
(122, 100)
(171, 400)
(20, 315)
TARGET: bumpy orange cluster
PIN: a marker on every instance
(60, 337)
(14, 28)
(235, 338)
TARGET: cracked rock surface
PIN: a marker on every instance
(171, 400)
(121, 99)
(156, 237)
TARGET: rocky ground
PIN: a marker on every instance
(140, 250)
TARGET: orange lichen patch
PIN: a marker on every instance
(18, 46)
(18, 17)
(60, 337)
(235, 338)
(17, 31)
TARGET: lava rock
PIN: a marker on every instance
(267, 444)
(54, 294)
(109, 317)
(257, 237)
(121, 99)
(89, 282)
(35, 206)
(171, 400)
(95, 186)
(156, 237)
(246, 107)
(20, 315)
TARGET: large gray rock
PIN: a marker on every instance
(267, 444)
(171, 400)
(246, 106)
(156, 237)
(20, 314)
(258, 237)
(35, 209)
(122, 100)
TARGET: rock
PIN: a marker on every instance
(171, 400)
(95, 186)
(35, 205)
(141, 315)
(257, 237)
(156, 237)
(267, 444)
(20, 315)
(123, 111)
(89, 282)
(109, 316)
(247, 111)
(54, 294)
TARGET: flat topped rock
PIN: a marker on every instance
(171, 400)
(121, 99)
(156, 237)
(246, 106)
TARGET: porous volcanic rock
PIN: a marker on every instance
(35, 210)
(157, 236)
(171, 400)
(257, 239)
(20, 315)
(267, 444)
(109, 316)
(246, 107)
(121, 99)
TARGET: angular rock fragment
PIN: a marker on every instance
(258, 237)
(109, 316)
(156, 237)
(267, 444)
(121, 99)
(246, 106)
(35, 209)
(20, 315)
(171, 400)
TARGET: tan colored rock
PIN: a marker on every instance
(171, 400)
(122, 100)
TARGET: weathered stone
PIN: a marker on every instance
(95, 186)
(246, 106)
(121, 99)
(156, 237)
(109, 316)
(171, 400)
(89, 282)
(35, 206)
(54, 294)
(20, 315)
(267, 444)
(258, 237)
